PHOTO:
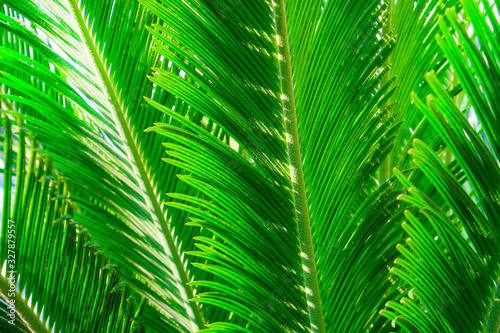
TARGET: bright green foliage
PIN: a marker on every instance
(455, 278)
(95, 144)
(52, 258)
(415, 25)
(256, 166)
(249, 200)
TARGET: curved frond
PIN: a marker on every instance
(76, 72)
(270, 227)
(55, 276)
(450, 261)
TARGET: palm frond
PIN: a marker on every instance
(68, 283)
(450, 261)
(266, 238)
(85, 104)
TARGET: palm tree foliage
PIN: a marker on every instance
(284, 166)
(64, 252)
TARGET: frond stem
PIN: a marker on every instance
(296, 172)
(118, 112)
(22, 310)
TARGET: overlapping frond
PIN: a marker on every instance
(450, 261)
(342, 94)
(238, 69)
(49, 257)
(253, 245)
(414, 23)
(77, 73)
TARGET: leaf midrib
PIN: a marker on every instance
(296, 173)
(138, 165)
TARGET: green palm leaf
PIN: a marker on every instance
(282, 251)
(276, 210)
(414, 24)
(46, 248)
(453, 283)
